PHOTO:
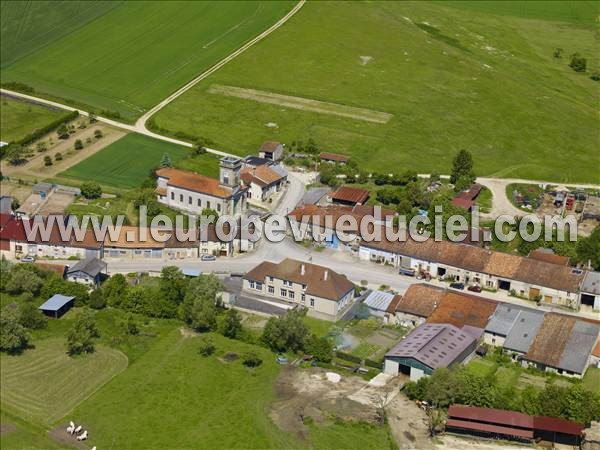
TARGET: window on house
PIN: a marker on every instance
(172, 195)
(218, 207)
(208, 205)
(283, 292)
(181, 198)
(271, 290)
(292, 294)
(312, 302)
(251, 284)
(259, 286)
(190, 200)
(199, 203)
(303, 298)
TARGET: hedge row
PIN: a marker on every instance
(348, 357)
(374, 364)
(36, 134)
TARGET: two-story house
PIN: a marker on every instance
(325, 293)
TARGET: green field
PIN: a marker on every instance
(30, 25)
(44, 383)
(130, 55)
(125, 163)
(18, 119)
(451, 77)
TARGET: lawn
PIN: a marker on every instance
(450, 77)
(125, 163)
(18, 119)
(43, 384)
(128, 56)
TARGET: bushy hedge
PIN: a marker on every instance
(374, 364)
(36, 134)
(348, 357)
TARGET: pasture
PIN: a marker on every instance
(125, 163)
(128, 56)
(18, 119)
(44, 383)
(451, 77)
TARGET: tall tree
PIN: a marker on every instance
(165, 161)
(231, 325)
(462, 167)
(13, 336)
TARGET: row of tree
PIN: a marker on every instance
(460, 385)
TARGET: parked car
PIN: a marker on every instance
(282, 359)
(474, 288)
(208, 258)
(457, 285)
(28, 259)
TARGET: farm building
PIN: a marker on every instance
(382, 304)
(502, 424)
(334, 158)
(271, 150)
(466, 198)
(464, 310)
(429, 347)
(255, 161)
(57, 305)
(563, 345)
(513, 327)
(191, 192)
(590, 290)
(6, 204)
(89, 271)
(326, 294)
(548, 255)
(349, 196)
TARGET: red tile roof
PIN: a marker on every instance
(549, 256)
(463, 203)
(269, 146)
(334, 157)
(261, 175)
(350, 195)
(461, 309)
(194, 182)
(495, 416)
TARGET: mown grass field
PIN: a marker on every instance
(18, 119)
(129, 56)
(125, 163)
(43, 384)
(480, 77)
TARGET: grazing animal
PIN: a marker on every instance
(71, 424)
(94, 447)
(82, 436)
(78, 429)
(70, 429)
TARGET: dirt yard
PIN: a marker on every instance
(56, 203)
(303, 393)
(35, 168)
(15, 190)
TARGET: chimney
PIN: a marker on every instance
(302, 270)
(325, 274)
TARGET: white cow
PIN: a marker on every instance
(70, 429)
(71, 424)
(82, 436)
(94, 447)
(78, 429)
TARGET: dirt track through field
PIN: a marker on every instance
(303, 104)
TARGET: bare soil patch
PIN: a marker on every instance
(56, 204)
(306, 393)
(304, 104)
(15, 190)
(229, 357)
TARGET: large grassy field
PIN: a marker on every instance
(30, 25)
(44, 383)
(18, 119)
(480, 77)
(128, 56)
(174, 398)
(126, 162)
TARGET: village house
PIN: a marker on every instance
(263, 181)
(590, 290)
(417, 304)
(271, 150)
(90, 271)
(466, 199)
(326, 294)
(513, 327)
(520, 276)
(334, 158)
(191, 192)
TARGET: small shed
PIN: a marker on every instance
(89, 271)
(57, 305)
(43, 189)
